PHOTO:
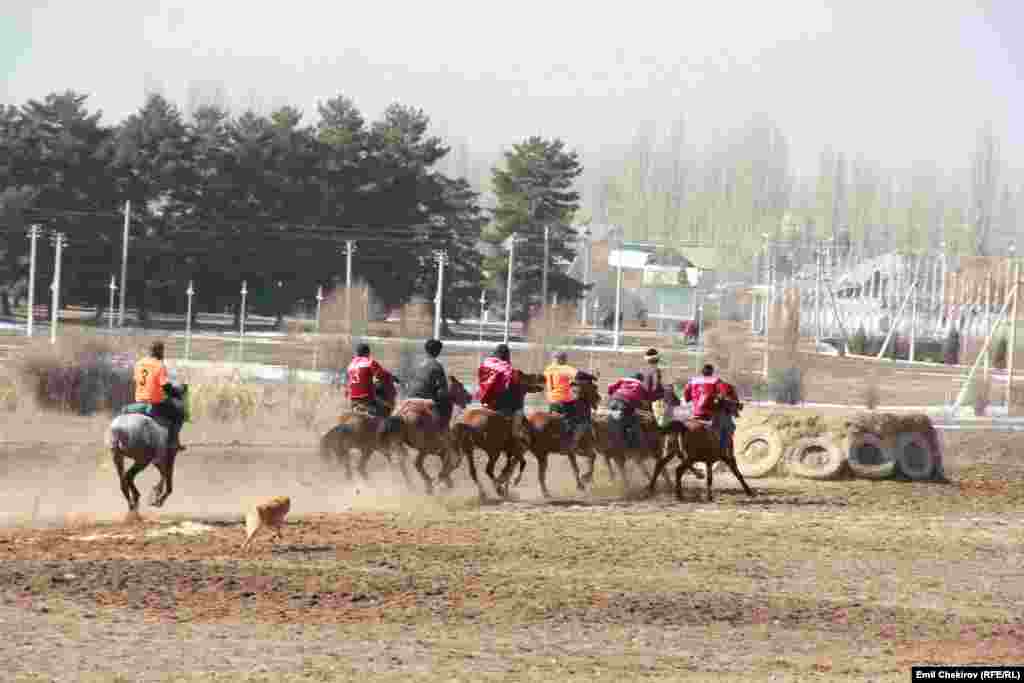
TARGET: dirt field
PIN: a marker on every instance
(848, 581)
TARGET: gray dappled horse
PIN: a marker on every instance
(136, 435)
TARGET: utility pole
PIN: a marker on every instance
(110, 308)
(349, 248)
(124, 260)
(544, 280)
(58, 242)
(483, 309)
(33, 234)
(586, 277)
(188, 322)
(817, 296)
(618, 296)
(508, 290)
(1013, 338)
(442, 258)
(988, 322)
(319, 301)
(241, 323)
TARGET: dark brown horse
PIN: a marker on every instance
(701, 442)
(481, 428)
(414, 425)
(360, 431)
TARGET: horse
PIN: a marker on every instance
(655, 440)
(360, 431)
(414, 425)
(546, 435)
(700, 441)
(494, 434)
(136, 435)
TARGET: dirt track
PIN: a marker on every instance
(848, 580)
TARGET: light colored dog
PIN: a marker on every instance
(269, 513)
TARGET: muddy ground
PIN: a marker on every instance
(849, 580)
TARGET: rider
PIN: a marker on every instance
(702, 391)
(651, 377)
(500, 388)
(151, 386)
(430, 381)
(628, 394)
(562, 381)
(362, 371)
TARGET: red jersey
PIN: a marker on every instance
(701, 391)
(361, 373)
(495, 377)
(630, 390)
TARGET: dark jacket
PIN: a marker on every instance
(430, 381)
(652, 383)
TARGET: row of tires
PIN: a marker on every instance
(760, 452)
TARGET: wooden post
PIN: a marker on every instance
(962, 396)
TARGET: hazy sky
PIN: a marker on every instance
(896, 80)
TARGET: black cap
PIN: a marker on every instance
(708, 370)
(363, 350)
(433, 346)
(502, 351)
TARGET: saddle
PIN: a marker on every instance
(145, 409)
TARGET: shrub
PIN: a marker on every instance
(786, 385)
(81, 375)
(859, 341)
(223, 401)
(1000, 352)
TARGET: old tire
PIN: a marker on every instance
(869, 457)
(914, 456)
(758, 452)
(818, 457)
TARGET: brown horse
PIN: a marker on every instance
(655, 441)
(481, 428)
(546, 436)
(415, 426)
(700, 442)
(360, 431)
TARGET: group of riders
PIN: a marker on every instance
(372, 388)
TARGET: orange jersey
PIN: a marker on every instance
(559, 382)
(150, 378)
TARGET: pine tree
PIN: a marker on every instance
(534, 191)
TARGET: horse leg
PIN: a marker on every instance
(401, 451)
(658, 469)
(708, 467)
(345, 458)
(542, 473)
(522, 469)
(163, 490)
(119, 466)
(427, 482)
(731, 464)
(471, 461)
(576, 471)
(129, 477)
(364, 458)
(680, 471)
(611, 470)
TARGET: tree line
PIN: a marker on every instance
(217, 198)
